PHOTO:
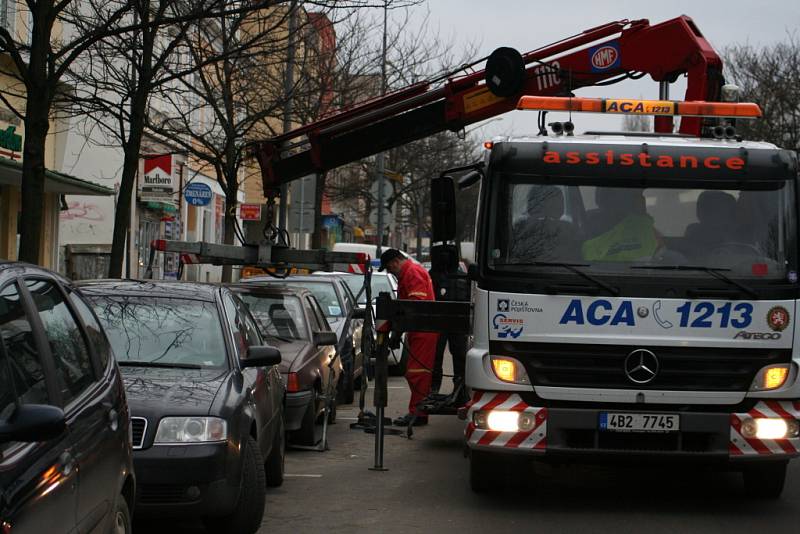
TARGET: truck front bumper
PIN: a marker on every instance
(570, 431)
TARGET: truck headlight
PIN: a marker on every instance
(191, 430)
(510, 370)
(772, 377)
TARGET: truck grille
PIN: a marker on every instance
(603, 366)
(138, 429)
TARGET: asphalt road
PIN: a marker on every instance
(426, 489)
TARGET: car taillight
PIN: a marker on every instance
(292, 384)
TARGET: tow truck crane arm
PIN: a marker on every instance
(598, 56)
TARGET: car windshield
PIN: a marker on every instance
(622, 230)
(279, 316)
(162, 331)
(380, 283)
(326, 296)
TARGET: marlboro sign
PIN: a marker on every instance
(159, 182)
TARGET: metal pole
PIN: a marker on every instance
(379, 159)
(288, 84)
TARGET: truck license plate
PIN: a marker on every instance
(639, 422)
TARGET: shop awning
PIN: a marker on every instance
(55, 182)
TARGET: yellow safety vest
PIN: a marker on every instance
(633, 238)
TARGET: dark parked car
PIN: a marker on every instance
(292, 320)
(205, 395)
(62, 412)
(344, 316)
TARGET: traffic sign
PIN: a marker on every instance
(373, 216)
(198, 194)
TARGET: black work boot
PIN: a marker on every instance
(418, 420)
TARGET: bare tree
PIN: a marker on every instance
(769, 76)
(237, 96)
(60, 31)
(117, 82)
(636, 123)
(414, 52)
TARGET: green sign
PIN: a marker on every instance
(10, 140)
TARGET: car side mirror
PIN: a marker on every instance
(359, 313)
(33, 422)
(323, 339)
(261, 356)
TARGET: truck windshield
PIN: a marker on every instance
(625, 230)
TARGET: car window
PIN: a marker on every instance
(313, 316)
(162, 330)
(380, 283)
(96, 336)
(248, 327)
(326, 296)
(22, 372)
(279, 316)
(320, 316)
(348, 295)
(73, 364)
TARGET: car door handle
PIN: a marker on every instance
(113, 419)
(66, 463)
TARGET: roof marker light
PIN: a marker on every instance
(627, 106)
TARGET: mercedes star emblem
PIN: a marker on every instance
(641, 366)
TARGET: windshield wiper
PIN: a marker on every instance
(164, 365)
(713, 271)
(570, 267)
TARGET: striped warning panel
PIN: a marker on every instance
(741, 446)
(534, 439)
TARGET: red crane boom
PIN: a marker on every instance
(602, 55)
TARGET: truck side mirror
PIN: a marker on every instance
(443, 209)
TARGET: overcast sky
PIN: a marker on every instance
(530, 24)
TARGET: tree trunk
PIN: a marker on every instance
(231, 192)
(122, 214)
(316, 237)
(37, 124)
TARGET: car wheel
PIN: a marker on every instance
(121, 518)
(249, 511)
(349, 392)
(274, 465)
(332, 413)
(305, 435)
(764, 480)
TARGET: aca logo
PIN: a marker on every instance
(598, 313)
(507, 327)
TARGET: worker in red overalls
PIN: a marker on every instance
(414, 283)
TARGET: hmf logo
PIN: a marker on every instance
(604, 57)
(598, 313)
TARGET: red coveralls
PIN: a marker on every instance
(414, 283)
